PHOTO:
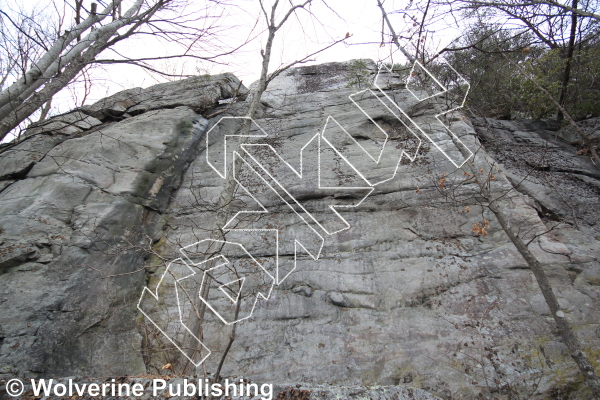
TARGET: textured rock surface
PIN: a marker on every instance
(80, 205)
(408, 295)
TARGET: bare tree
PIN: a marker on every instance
(584, 137)
(590, 10)
(481, 176)
(43, 69)
(225, 201)
(522, 27)
(553, 25)
(24, 36)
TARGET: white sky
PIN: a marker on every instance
(301, 35)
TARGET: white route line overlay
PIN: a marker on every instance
(156, 298)
(444, 91)
(318, 136)
(297, 243)
(226, 261)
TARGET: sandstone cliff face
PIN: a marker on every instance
(95, 205)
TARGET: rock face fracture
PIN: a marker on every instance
(409, 282)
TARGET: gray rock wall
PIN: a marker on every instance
(80, 203)
(95, 204)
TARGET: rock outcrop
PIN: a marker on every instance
(414, 289)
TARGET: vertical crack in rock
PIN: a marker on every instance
(76, 230)
(413, 293)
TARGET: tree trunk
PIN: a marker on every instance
(78, 5)
(50, 57)
(564, 328)
(584, 137)
(228, 193)
(45, 110)
(568, 61)
(12, 114)
(55, 71)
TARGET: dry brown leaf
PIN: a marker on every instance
(480, 228)
(442, 181)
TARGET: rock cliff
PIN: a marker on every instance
(403, 283)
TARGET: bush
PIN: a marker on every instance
(499, 89)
